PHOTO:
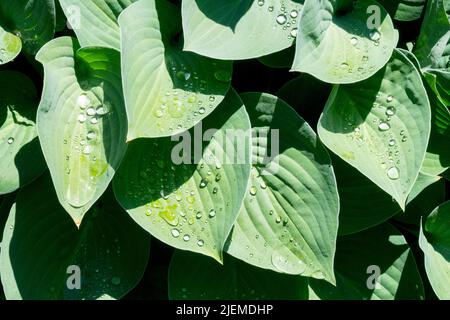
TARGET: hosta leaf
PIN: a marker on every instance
(381, 126)
(95, 21)
(10, 46)
(167, 91)
(433, 46)
(235, 30)
(194, 277)
(21, 157)
(32, 20)
(434, 241)
(40, 242)
(81, 121)
(288, 222)
(190, 204)
(335, 44)
(360, 256)
(404, 10)
(281, 59)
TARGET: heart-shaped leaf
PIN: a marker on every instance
(33, 21)
(10, 46)
(237, 30)
(194, 277)
(95, 21)
(81, 121)
(381, 126)
(375, 264)
(43, 253)
(434, 241)
(190, 203)
(288, 222)
(21, 159)
(339, 42)
(167, 91)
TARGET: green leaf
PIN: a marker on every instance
(191, 201)
(81, 121)
(381, 126)
(404, 10)
(10, 46)
(21, 160)
(32, 20)
(280, 59)
(40, 242)
(194, 277)
(434, 241)
(95, 21)
(359, 256)
(167, 91)
(288, 222)
(238, 30)
(335, 44)
(433, 46)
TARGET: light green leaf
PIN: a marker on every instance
(167, 91)
(404, 10)
(33, 21)
(194, 277)
(81, 121)
(40, 242)
(360, 256)
(190, 201)
(95, 21)
(335, 44)
(381, 126)
(10, 46)
(288, 222)
(238, 30)
(21, 160)
(434, 241)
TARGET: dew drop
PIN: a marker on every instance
(389, 98)
(212, 213)
(253, 191)
(263, 185)
(94, 121)
(91, 135)
(354, 41)
(10, 140)
(391, 142)
(260, 3)
(198, 215)
(294, 14)
(87, 149)
(81, 118)
(203, 183)
(270, 8)
(175, 233)
(91, 112)
(375, 36)
(383, 126)
(281, 19)
(294, 33)
(393, 173)
(390, 111)
(201, 110)
(200, 243)
(83, 101)
(186, 237)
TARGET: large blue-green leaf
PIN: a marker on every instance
(33, 21)
(40, 243)
(167, 91)
(434, 241)
(360, 256)
(21, 158)
(81, 121)
(194, 277)
(289, 219)
(381, 126)
(190, 203)
(335, 43)
(235, 30)
(95, 21)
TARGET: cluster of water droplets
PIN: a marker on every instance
(287, 19)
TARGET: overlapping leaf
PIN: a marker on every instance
(167, 91)
(339, 42)
(33, 21)
(237, 30)
(288, 222)
(40, 243)
(381, 126)
(81, 121)
(375, 264)
(404, 10)
(10, 46)
(95, 21)
(19, 147)
(194, 277)
(434, 241)
(184, 194)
